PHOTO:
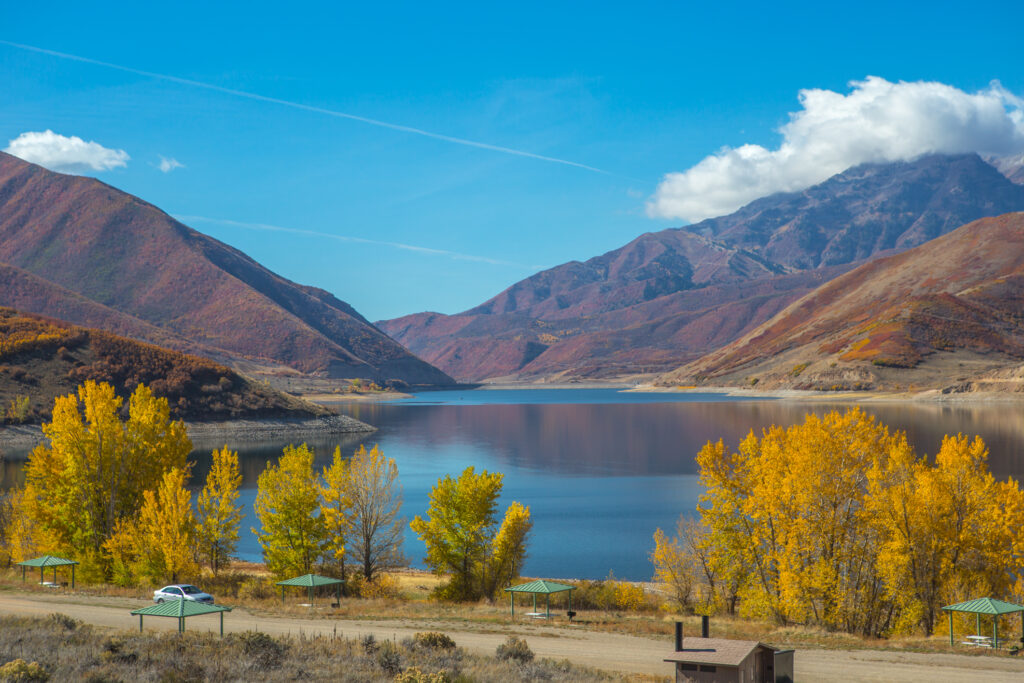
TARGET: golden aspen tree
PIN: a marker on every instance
(950, 531)
(287, 505)
(219, 513)
(94, 468)
(122, 550)
(375, 499)
(508, 550)
(837, 522)
(165, 539)
(23, 538)
(459, 528)
(674, 569)
(730, 532)
(336, 510)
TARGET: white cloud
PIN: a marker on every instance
(877, 121)
(167, 165)
(65, 154)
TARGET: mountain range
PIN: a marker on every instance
(946, 315)
(669, 297)
(79, 250)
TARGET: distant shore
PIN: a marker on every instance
(232, 432)
(808, 396)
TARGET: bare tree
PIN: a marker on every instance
(376, 499)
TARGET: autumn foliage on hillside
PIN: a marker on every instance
(42, 358)
(963, 292)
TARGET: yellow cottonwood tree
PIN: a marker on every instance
(165, 536)
(94, 468)
(508, 551)
(950, 530)
(23, 536)
(287, 505)
(219, 514)
(460, 529)
(674, 568)
(837, 522)
(336, 510)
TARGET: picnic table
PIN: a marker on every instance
(978, 641)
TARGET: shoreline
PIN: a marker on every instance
(807, 396)
(241, 431)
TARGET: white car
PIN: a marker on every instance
(181, 591)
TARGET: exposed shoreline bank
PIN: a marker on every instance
(807, 396)
(26, 437)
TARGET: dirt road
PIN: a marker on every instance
(609, 651)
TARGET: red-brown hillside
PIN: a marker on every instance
(41, 358)
(671, 296)
(962, 292)
(127, 255)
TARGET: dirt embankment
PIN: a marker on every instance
(25, 437)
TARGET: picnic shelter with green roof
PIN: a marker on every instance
(540, 587)
(44, 561)
(980, 606)
(310, 582)
(181, 610)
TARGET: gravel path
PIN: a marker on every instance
(609, 651)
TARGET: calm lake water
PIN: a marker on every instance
(600, 469)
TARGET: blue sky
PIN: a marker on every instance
(638, 91)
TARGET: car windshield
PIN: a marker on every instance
(190, 590)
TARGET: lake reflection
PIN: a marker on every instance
(600, 469)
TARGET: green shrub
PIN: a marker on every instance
(433, 640)
(64, 621)
(20, 671)
(369, 643)
(389, 659)
(516, 649)
(414, 675)
(262, 649)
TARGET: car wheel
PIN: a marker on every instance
(159, 601)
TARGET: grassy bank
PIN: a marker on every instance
(59, 648)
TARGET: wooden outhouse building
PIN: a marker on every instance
(718, 660)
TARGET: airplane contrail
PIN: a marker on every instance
(304, 107)
(266, 227)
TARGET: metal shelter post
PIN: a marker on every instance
(72, 577)
(512, 604)
(221, 624)
(950, 613)
(140, 623)
(547, 603)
